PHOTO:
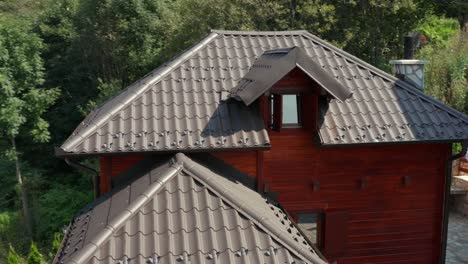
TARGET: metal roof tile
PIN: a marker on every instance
(188, 86)
(189, 213)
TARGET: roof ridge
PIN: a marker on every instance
(148, 80)
(387, 76)
(115, 223)
(243, 32)
(194, 169)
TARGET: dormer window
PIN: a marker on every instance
(291, 110)
(285, 111)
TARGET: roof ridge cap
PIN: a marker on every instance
(148, 80)
(119, 220)
(193, 168)
(254, 32)
(388, 76)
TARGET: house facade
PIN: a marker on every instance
(358, 160)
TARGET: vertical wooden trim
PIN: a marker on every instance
(445, 204)
(315, 114)
(277, 112)
(102, 180)
(334, 235)
(299, 103)
(260, 171)
(109, 174)
(106, 174)
(265, 111)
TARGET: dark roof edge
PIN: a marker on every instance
(386, 76)
(321, 76)
(148, 79)
(408, 142)
(321, 85)
(59, 152)
(86, 252)
(62, 244)
(196, 170)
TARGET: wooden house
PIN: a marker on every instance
(358, 160)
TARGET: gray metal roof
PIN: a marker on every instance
(179, 106)
(273, 65)
(184, 212)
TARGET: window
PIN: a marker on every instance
(285, 111)
(291, 117)
(310, 225)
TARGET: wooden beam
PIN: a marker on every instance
(106, 174)
(260, 171)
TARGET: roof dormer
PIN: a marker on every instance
(293, 83)
(273, 65)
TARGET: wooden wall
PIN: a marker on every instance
(380, 203)
(112, 166)
(387, 221)
(245, 161)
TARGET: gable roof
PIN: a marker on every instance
(182, 211)
(180, 105)
(273, 65)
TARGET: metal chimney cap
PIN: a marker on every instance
(408, 62)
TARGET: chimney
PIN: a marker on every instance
(409, 69)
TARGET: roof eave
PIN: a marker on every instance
(408, 142)
(59, 152)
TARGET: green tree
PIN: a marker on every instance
(374, 30)
(56, 207)
(12, 257)
(92, 49)
(56, 242)
(457, 9)
(34, 256)
(446, 75)
(439, 30)
(22, 100)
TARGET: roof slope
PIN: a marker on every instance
(184, 212)
(179, 106)
(176, 107)
(273, 65)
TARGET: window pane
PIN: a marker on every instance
(290, 110)
(308, 223)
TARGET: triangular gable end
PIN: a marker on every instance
(273, 65)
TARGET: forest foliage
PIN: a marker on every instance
(68, 56)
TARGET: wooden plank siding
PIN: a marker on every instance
(386, 218)
(392, 195)
(245, 161)
(112, 166)
(388, 222)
